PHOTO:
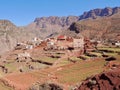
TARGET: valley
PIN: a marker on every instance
(62, 53)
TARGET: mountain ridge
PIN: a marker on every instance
(102, 28)
(95, 13)
(44, 27)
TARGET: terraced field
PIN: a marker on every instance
(65, 72)
(79, 71)
(3, 87)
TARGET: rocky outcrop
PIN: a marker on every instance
(106, 81)
(106, 28)
(100, 13)
(46, 86)
(10, 35)
(55, 20)
(7, 40)
(44, 27)
(47, 26)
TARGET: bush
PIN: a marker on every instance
(46, 86)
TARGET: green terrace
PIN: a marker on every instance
(80, 71)
(110, 49)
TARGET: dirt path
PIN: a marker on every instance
(21, 81)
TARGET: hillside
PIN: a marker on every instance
(106, 80)
(46, 26)
(96, 13)
(54, 25)
(35, 62)
(100, 28)
(97, 23)
(10, 35)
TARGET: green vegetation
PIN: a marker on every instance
(115, 49)
(11, 66)
(80, 71)
(39, 65)
(47, 59)
(3, 87)
(96, 53)
(76, 59)
(64, 62)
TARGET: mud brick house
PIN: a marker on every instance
(23, 46)
(77, 46)
(36, 41)
(61, 38)
(90, 45)
(78, 42)
(117, 44)
(50, 43)
(20, 46)
(63, 42)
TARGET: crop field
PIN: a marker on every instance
(78, 72)
(46, 59)
(114, 49)
(65, 72)
(3, 87)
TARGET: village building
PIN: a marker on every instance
(20, 46)
(78, 42)
(61, 38)
(63, 42)
(29, 44)
(117, 44)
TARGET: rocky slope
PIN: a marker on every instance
(46, 26)
(96, 13)
(99, 24)
(89, 24)
(100, 28)
(10, 35)
(41, 27)
(107, 80)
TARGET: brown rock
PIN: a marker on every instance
(106, 81)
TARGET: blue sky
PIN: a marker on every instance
(23, 12)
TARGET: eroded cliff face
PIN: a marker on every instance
(96, 13)
(7, 40)
(46, 26)
(10, 35)
(101, 28)
(52, 20)
(97, 23)
(43, 27)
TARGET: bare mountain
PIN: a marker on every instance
(97, 23)
(46, 26)
(10, 35)
(106, 27)
(96, 13)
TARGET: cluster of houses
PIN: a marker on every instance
(61, 42)
(77, 44)
(28, 44)
(117, 43)
(64, 43)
